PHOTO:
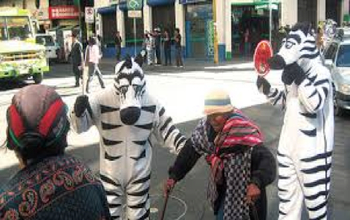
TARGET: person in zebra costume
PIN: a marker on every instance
(126, 115)
(306, 142)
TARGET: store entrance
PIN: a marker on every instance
(250, 25)
(199, 43)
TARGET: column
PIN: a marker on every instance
(344, 9)
(289, 12)
(180, 21)
(321, 10)
(220, 28)
(120, 24)
(147, 17)
(228, 30)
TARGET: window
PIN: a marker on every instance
(343, 59)
(15, 28)
(330, 53)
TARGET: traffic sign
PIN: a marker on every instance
(134, 4)
(89, 15)
(135, 14)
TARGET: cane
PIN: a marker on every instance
(165, 204)
(254, 211)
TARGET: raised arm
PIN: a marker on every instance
(167, 131)
(274, 95)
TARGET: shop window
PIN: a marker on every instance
(129, 30)
(158, 13)
(109, 28)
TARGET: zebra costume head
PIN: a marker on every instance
(299, 46)
(130, 85)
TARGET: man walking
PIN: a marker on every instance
(77, 58)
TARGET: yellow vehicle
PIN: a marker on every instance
(20, 57)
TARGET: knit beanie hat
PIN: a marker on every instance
(217, 101)
(37, 119)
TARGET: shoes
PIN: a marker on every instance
(76, 85)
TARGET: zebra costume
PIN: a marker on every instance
(306, 142)
(126, 115)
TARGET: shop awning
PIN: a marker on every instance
(191, 1)
(159, 2)
(256, 2)
(106, 10)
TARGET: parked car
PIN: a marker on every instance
(337, 59)
(51, 47)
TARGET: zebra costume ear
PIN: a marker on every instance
(304, 26)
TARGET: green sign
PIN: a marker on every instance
(134, 4)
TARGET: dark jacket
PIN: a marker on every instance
(76, 53)
(57, 188)
(263, 169)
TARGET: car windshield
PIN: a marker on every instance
(15, 28)
(343, 59)
(45, 40)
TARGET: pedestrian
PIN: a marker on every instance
(126, 116)
(178, 48)
(319, 38)
(167, 47)
(77, 59)
(92, 58)
(50, 183)
(241, 166)
(99, 44)
(150, 45)
(307, 137)
(118, 45)
(158, 37)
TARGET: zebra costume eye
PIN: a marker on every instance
(289, 44)
(123, 89)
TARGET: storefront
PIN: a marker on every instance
(159, 9)
(64, 15)
(199, 28)
(108, 24)
(251, 22)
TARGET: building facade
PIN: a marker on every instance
(194, 18)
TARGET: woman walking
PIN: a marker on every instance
(92, 58)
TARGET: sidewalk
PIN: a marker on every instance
(190, 64)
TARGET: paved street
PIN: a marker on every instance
(181, 90)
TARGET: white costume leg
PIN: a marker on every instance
(114, 194)
(289, 189)
(314, 173)
(137, 189)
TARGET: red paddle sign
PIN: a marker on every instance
(262, 53)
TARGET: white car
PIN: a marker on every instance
(337, 59)
(51, 47)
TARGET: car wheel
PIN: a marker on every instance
(38, 78)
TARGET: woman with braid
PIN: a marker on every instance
(241, 166)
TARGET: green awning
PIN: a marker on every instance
(256, 2)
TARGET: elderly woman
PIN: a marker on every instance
(50, 184)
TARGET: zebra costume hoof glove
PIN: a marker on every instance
(263, 85)
(293, 73)
(81, 104)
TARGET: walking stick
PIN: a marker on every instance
(254, 211)
(165, 204)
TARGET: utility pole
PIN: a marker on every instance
(216, 49)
